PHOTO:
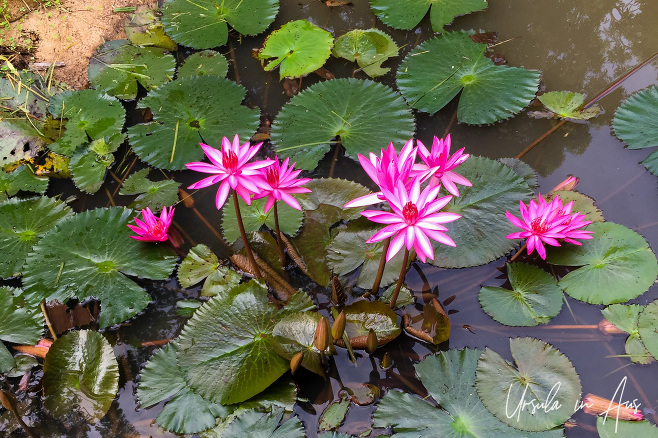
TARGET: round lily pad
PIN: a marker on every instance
(610, 427)
(567, 105)
(535, 297)
(90, 165)
(189, 111)
(152, 194)
(623, 316)
(80, 372)
(363, 316)
(535, 393)
(647, 326)
(407, 14)
(437, 70)
(21, 179)
(651, 163)
(254, 217)
(298, 48)
(20, 322)
(204, 63)
(369, 48)
(199, 263)
(636, 120)
(294, 334)
(528, 173)
(616, 265)
(581, 204)
(333, 192)
(367, 116)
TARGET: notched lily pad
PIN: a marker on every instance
(369, 48)
(152, 194)
(20, 323)
(333, 192)
(204, 63)
(294, 334)
(407, 14)
(567, 105)
(636, 120)
(335, 413)
(90, 165)
(362, 316)
(581, 203)
(144, 28)
(21, 179)
(647, 327)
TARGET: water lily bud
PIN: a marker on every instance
(186, 198)
(338, 328)
(595, 405)
(296, 361)
(568, 184)
(331, 349)
(321, 338)
(338, 296)
(371, 342)
(609, 328)
(386, 361)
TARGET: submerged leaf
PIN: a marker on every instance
(369, 48)
(335, 413)
(152, 194)
(407, 14)
(567, 105)
(203, 63)
(636, 120)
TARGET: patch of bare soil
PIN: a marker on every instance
(65, 31)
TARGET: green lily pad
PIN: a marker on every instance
(20, 323)
(202, 24)
(144, 28)
(204, 63)
(335, 413)
(364, 114)
(617, 265)
(199, 263)
(362, 316)
(152, 194)
(566, 104)
(22, 223)
(647, 327)
(437, 70)
(24, 363)
(254, 217)
(333, 192)
(581, 203)
(540, 374)
(369, 48)
(528, 173)
(297, 48)
(611, 427)
(294, 334)
(186, 112)
(21, 179)
(405, 297)
(311, 244)
(90, 166)
(6, 359)
(226, 345)
(88, 255)
(80, 372)
(480, 232)
(636, 120)
(623, 316)
(535, 297)
(449, 378)
(90, 115)
(117, 66)
(651, 163)
(407, 15)
(220, 281)
(256, 423)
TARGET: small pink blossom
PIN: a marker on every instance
(277, 182)
(152, 228)
(414, 220)
(440, 164)
(229, 167)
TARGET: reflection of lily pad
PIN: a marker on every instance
(567, 105)
(437, 70)
(204, 63)
(298, 48)
(647, 326)
(365, 115)
(636, 120)
(616, 265)
(539, 373)
(152, 194)
(369, 48)
(407, 14)
(254, 216)
(188, 111)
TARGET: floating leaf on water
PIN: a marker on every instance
(203, 63)
(651, 163)
(88, 255)
(647, 327)
(363, 394)
(362, 316)
(333, 192)
(636, 120)
(616, 265)
(524, 170)
(312, 243)
(369, 48)
(117, 66)
(297, 48)
(90, 165)
(199, 263)
(21, 179)
(540, 374)
(405, 297)
(365, 115)
(20, 322)
(294, 334)
(335, 413)
(266, 424)
(567, 105)
(145, 29)
(610, 427)
(581, 203)
(202, 24)
(534, 299)
(152, 194)
(24, 363)
(480, 232)
(407, 14)
(623, 316)
(189, 111)
(22, 223)
(437, 70)
(80, 372)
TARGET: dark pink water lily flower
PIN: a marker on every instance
(152, 228)
(439, 158)
(230, 168)
(278, 181)
(414, 220)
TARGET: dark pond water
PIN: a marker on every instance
(579, 46)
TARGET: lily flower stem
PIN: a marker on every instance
(177, 249)
(279, 241)
(380, 270)
(250, 255)
(514, 257)
(403, 273)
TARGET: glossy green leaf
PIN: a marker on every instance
(90, 115)
(407, 15)
(651, 163)
(220, 281)
(362, 316)
(89, 256)
(335, 413)
(369, 48)
(6, 359)
(333, 192)
(145, 29)
(480, 232)
(623, 316)
(254, 217)
(616, 265)
(189, 111)
(202, 24)
(611, 427)
(22, 223)
(24, 363)
(449, 378)
(636, 120)
(365, 115)
(293, 334)
(199, 263)
(256, 423)
(647, 327)
(117, 66)
(204, 63)
(437, 70)
(226, 345)
(21, 179)
(525, 171)
(80, 372)
(534, 299)
(566, 104)
(90, 165)
(405, 297)
(152, 194)
(297, 48)
(540, 374)
(581, 203)
(20, 322)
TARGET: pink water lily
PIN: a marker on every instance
(278, 181)
(442, 163)
(152, 228)
(414, 220)
(230, 168)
